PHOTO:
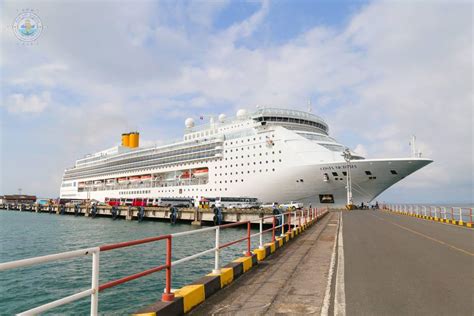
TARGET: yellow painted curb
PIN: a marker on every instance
(192, 295)
(280, 241)
(272, 246)
(246, 262)
(260, 254)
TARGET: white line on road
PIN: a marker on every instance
(327, 295)
(340, 295)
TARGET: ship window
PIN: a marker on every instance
(368, 173)
(334, 174)
(344, 173)
(393, 171)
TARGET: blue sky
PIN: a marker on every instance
(378, 72)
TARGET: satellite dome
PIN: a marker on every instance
(189, 123)
(222, 118)
(241, 114)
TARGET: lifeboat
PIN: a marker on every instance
(110, 181)
(185, 175)
(146, 177)
(122, 180)
(135, 179)
(98, 182)
(202, 172)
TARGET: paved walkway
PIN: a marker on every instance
(386, 264)
(400, 265)
(292, 281)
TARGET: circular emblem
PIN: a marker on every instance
(27, 27)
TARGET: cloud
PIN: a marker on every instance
(18, 103)
(392, 71)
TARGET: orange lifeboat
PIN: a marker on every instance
(185, 175)
(134, 179)
(146, 177)
(202, 172)
(122, 180)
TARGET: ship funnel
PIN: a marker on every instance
(134, 139)
(126, 139)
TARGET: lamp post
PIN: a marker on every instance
(347, 157)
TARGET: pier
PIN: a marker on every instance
(311, 262)
(195, 216)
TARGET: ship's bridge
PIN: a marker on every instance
(292, 119)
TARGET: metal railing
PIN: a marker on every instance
(460, 214)
(288, 220)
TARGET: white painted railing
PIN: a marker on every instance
(456, 213)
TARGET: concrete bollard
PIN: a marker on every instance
(197, 217)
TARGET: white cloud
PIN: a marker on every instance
(19, 103)
(393, 71)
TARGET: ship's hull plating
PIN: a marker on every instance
(307, 183)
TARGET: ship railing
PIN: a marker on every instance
(453, 213)
(289, 220)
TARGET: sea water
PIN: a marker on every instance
(24, 235)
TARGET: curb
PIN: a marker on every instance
(190, 296)
(432, 218)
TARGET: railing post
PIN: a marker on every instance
(261, 234)
(289, 221)
(168, 296)
(301, 215)
(248, 254)
(273, 228)
(470, 215)
(95, 283)
(452, 213)
(460, 214)
(296, 214)
(282, 225)
(217, 263)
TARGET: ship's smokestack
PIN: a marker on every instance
(126, 139)
(134, 140)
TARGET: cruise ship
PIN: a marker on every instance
(274, 155)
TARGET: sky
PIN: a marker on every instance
(377, 72)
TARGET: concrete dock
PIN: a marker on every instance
(292, 281)
(399, 265)
(195, 216)
(379, 264)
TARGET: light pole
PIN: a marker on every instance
(347, 157)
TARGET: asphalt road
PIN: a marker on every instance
(400, 265)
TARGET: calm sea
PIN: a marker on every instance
(25, 235)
